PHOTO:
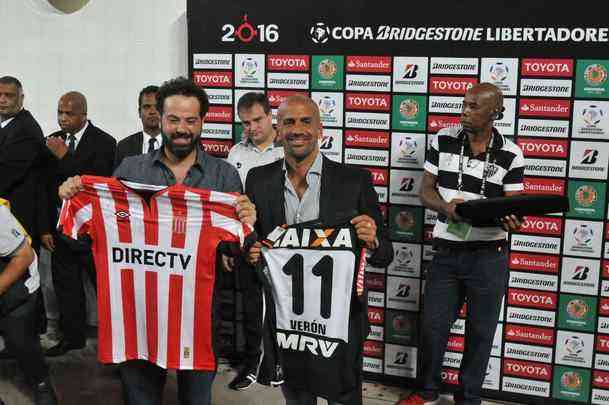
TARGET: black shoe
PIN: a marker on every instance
(243, 380)
(6, 355)
(44, 394)
(63, 347)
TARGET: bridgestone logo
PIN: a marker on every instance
(531, 317)
(438, 104)
(527, 353)
(217, 62)
(531, 244)
(547, 129)
(366, 83)
(544, 168)
(367, 121)
(283, 81)
(217, 98)
(542, 88)
(588, 168)
(452, 66)
(599, 397)
(524, 387)
(219, 131)
(367, 158)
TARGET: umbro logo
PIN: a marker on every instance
(122, 215)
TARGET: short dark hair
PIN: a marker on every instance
(248, 100)
(11, 80)
(146, 90)
(181, 86)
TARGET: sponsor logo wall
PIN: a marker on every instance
(379, 113)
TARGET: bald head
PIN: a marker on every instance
(298, 99)
(299, 126)
(72, 112)
(77, 99)
(488, 93)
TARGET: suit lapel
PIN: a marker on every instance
(85, 140)
(137, 145)
(326, 207)
(276, 195)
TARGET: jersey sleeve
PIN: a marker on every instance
(12, 233)
(514, 178)
(432, 161)
(76, 214)
(224, 216)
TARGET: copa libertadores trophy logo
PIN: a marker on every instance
(320, 33)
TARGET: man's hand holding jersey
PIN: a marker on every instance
(70, 188)
(365, 228)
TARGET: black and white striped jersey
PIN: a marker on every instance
(505, 173)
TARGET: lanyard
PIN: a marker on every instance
(485, 170)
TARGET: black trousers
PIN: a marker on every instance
(20, 331)
(479, 277)
(252, 313)
(70, 261)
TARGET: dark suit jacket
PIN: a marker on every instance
(345, 193)
(21, 165)
(94, 155)
(130, 146)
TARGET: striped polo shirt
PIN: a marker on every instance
(505, 173)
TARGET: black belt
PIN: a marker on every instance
(447, 248)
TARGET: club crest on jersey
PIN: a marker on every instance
(312, 238)
(179, 224)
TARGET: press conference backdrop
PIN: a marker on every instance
(387, 76)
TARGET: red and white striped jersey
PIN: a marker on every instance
(155, 255)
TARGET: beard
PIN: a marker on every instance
(180, 150)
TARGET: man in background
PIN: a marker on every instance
(21, 156)
(80, 148)
(256, 149)
(147, 140)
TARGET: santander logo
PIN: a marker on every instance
(545, 107)
(534, 262)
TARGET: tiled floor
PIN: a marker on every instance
(80, 379)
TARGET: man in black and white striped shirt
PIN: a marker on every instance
(464, 163)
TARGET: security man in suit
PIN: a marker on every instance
(80, 148)
(147, 140)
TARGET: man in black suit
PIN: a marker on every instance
(307, 186)
(147, 140)
(21, 156)
(80, 148)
